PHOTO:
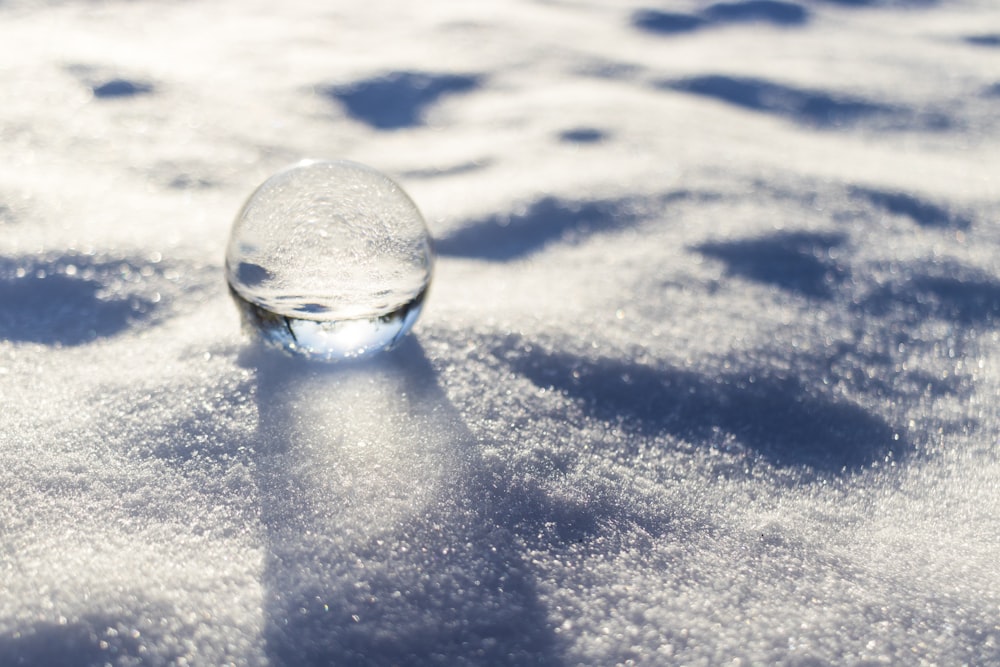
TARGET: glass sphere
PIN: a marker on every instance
(329, 259)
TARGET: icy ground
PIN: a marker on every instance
(709, 372)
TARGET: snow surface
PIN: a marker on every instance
(708, 374)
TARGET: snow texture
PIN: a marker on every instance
(708, 373)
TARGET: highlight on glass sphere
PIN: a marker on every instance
(329, 260)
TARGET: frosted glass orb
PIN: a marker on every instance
(330, 260)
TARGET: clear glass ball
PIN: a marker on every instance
(329, 259)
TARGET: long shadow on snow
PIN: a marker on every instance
(923, 213)
(795, 261)
(501, 238)
(73, 299)
(802, 262)
(106, 86)
(397, 99)
(509, 236)
(774, 12)
(814, 108)
(990, 39)
(444, 584)
(583, 135)
(666, 23)
(94, 640)
(899, 4)
(779, 417)
(946, 291)
(121, 88)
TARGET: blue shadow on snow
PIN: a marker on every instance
(795, 261)
(963, 296)
(75, 644)
(397, 99)
(992, 39)
(504, 237)
(764, 11)
(666, 23)
(118, 88)
(582, 135)
(777, 416)
(774, 12)
(809, 107)
(899, 4)
(50, 303)
(923, 213)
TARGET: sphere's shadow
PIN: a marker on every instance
(383, 542)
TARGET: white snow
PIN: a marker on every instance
(708, 372)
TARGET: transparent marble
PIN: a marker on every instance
(330, 260)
